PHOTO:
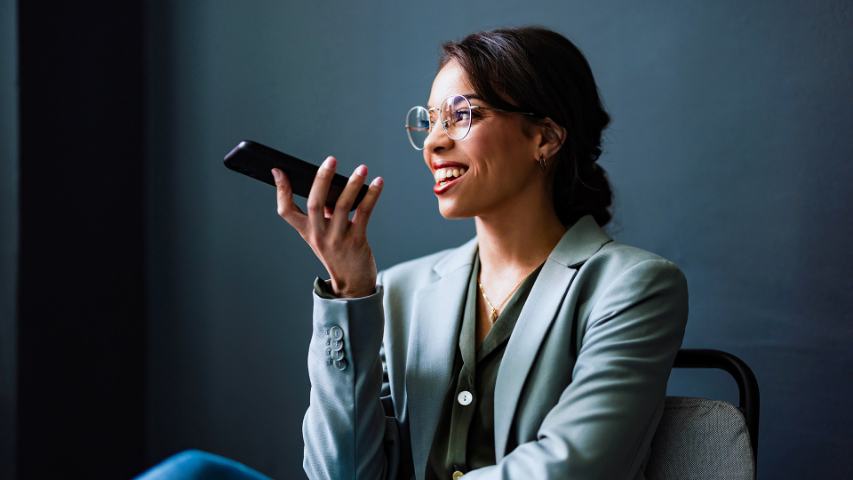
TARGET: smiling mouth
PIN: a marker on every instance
(444, 176)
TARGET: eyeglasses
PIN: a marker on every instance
(455, 115)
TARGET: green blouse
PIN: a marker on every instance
(465, 438)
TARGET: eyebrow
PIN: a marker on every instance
(469, 95)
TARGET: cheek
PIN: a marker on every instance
(499, 163)
(501, 141)
(498, 155)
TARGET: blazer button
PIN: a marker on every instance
(465, 398)
(338, 345)
(338, 355)
(336, 332)
(341, 364)
(457, 475)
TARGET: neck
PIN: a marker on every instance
(518, 238)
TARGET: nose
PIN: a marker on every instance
(437, 139)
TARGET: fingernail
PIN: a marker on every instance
(378, 181)
(361, 170)
(275, 174)
(329, 162)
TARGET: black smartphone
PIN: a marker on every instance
(257, 161)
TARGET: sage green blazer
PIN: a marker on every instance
(579, 393)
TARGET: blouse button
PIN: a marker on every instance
(465, 398)
(457, 475)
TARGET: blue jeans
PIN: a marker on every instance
(198, 464)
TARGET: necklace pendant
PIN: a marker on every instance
(494, 315)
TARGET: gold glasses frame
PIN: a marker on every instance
(421, 112)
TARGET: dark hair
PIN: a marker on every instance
(539, 70)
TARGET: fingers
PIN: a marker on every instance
(287, 208)
(314, 224)
(340, 217)
(317, 195)
(365, 208)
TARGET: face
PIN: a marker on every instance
(498, 160)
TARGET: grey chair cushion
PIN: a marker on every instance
(700, 438)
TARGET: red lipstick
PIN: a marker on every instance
(439, 189)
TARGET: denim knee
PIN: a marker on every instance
(196, 464)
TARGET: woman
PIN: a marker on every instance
(540, 348)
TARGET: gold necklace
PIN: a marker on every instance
(494, 313)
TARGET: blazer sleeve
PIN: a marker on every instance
(604, 421)
(348, 432)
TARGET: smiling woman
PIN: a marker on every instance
(541, 347)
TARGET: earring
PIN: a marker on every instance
(541, 162)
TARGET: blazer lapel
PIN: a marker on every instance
(437, 317)
(579, 242)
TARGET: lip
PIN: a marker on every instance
(437, 164)
(440, 189)
(441, 164)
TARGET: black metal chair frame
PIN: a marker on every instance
(746, 383)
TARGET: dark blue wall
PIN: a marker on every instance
(8, 232)
(729, 151)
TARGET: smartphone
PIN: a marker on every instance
(257, 161)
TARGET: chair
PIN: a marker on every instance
(700, 438)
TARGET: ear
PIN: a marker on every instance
(551, 139)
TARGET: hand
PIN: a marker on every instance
(339, 243)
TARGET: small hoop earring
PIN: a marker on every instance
(541, 162)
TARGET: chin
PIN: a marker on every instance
(453, 212)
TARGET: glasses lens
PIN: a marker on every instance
(417, 126)
(456, 113)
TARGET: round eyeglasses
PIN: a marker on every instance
(455, 115)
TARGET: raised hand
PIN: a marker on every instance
(340, 243)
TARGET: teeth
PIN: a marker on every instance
(443, 173)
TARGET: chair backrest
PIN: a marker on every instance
(700, 438)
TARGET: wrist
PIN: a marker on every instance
(345, 291)
(356, 293)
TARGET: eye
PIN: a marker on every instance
(461, 115)
(475, 112)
